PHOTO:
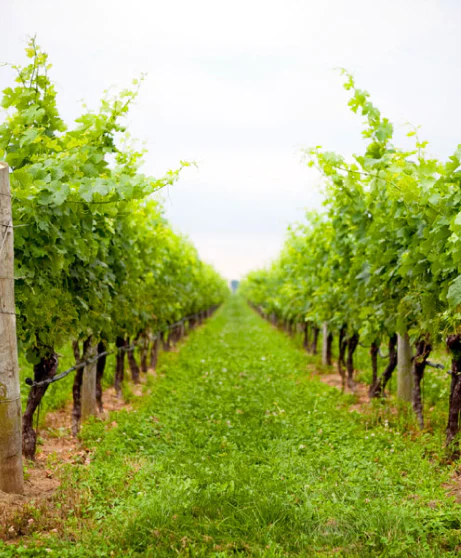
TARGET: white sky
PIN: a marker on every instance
(240, 86)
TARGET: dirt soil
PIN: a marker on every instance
(361, 391)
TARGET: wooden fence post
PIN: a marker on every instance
(11, 472)
(404, 374)
(325, 344)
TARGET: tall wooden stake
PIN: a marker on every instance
(325, 344)
(11, 472)
(404, 375)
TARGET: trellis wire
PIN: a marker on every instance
(84, 363)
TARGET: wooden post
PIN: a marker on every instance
(325, 344)
(11, 472)
(89, 383)
(404, 375)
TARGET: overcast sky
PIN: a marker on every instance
(240, 87)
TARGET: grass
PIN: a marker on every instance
(239, 452)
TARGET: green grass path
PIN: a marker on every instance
(239, 453)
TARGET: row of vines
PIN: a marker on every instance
(381, 264)
(97, 266)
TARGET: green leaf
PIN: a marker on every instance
(454, 292)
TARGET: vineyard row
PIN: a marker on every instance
(93, 263)
(380, 265)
